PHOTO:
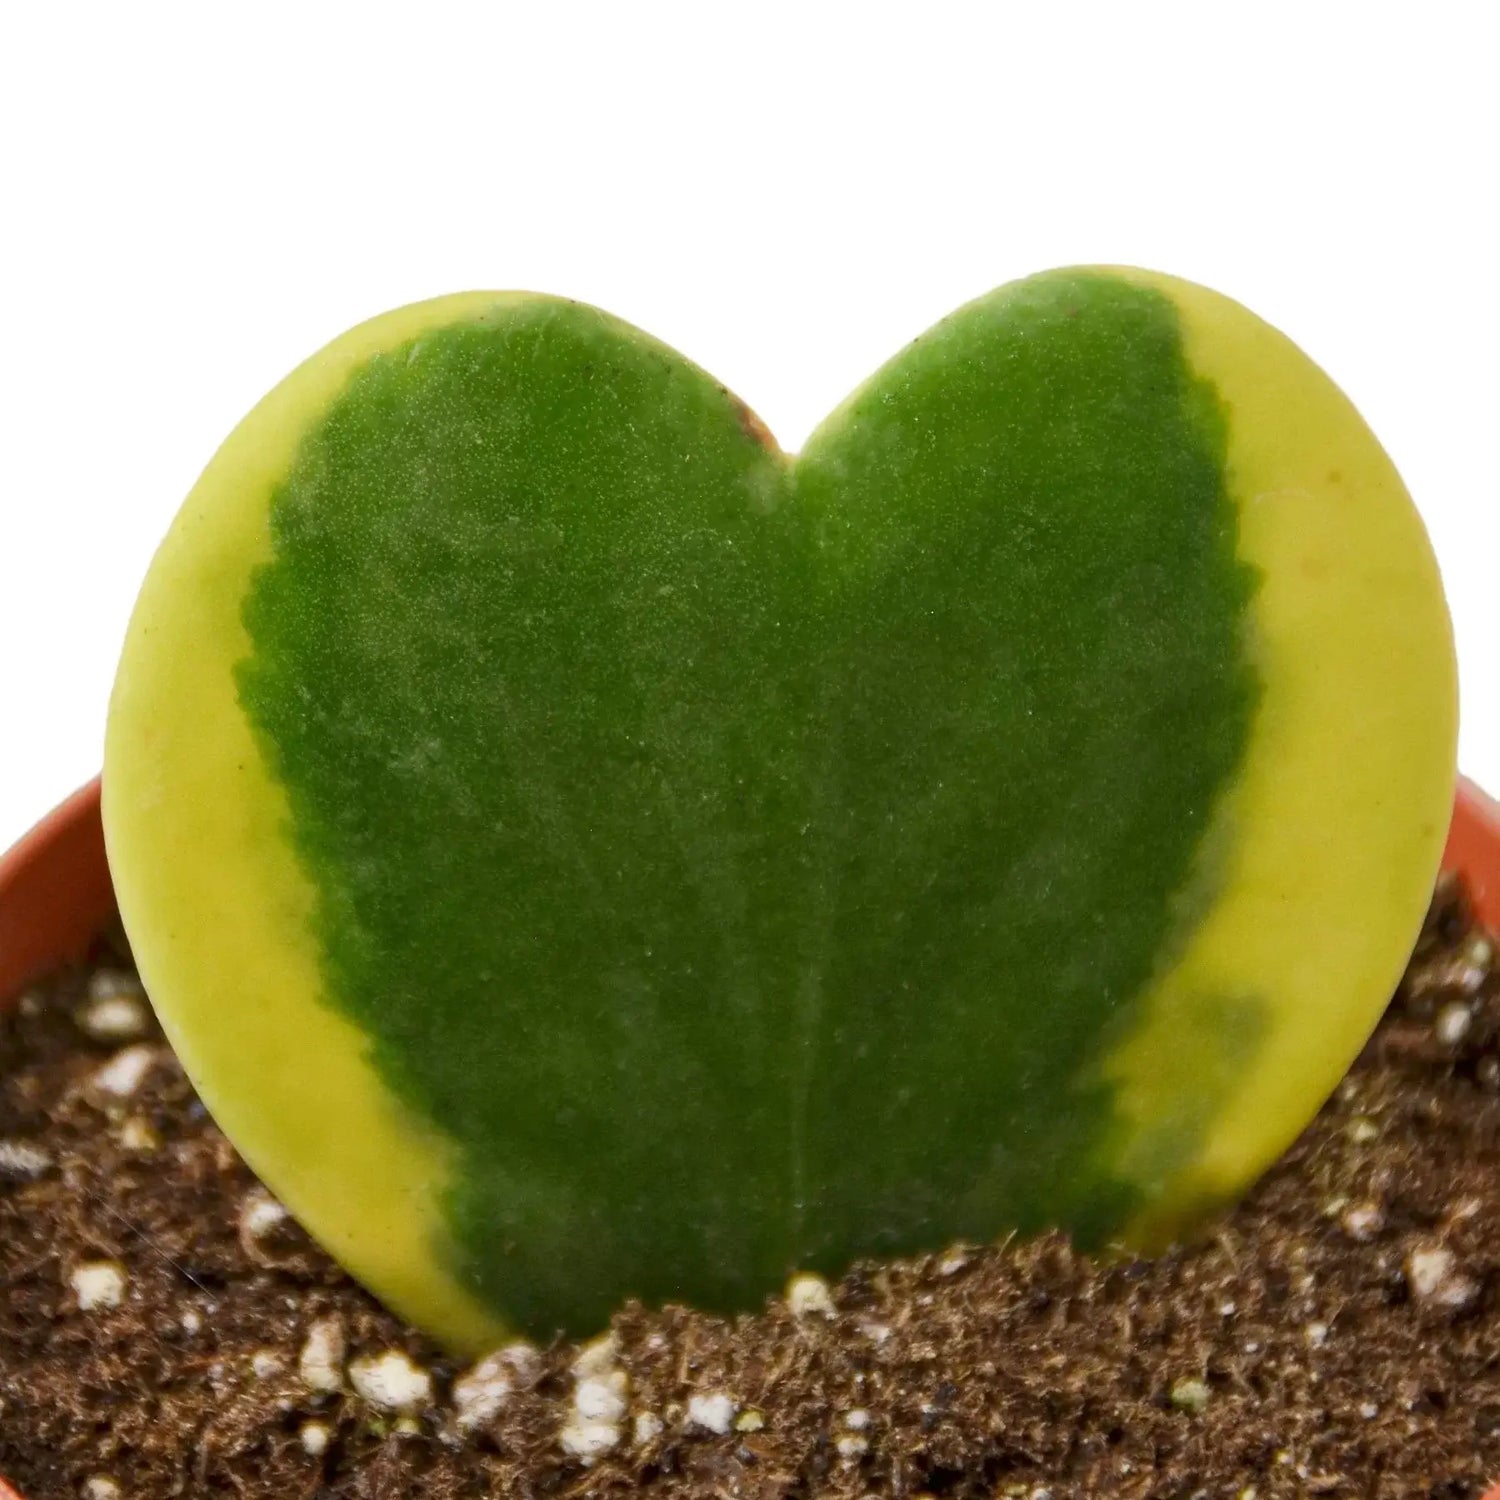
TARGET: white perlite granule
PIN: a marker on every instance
(314, 1438)
(523, 1358)
(23, 1160)
(1434, 1279)
(391, 1381)
(98, 1284)
(1427, 1270)
(105, 984)
(648, 1427)
(593, 1429)
(113, 1018)
(480, 1392)
(1452, 1024)
(138, 1134)
(321, 1363)
(260, 1213)
(601, 1400)
(124, 1073)
(1362, 1221)
(597, 1359)
(101, 1487)
(589, 1440)
(713, 1413)
(808, 1295)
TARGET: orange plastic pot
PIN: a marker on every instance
(55, 896)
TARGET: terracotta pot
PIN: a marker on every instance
(55, 895)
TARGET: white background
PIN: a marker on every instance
(192, 199)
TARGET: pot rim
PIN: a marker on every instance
(55, 894)
(56, 897)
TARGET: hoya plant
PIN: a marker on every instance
(581, 851)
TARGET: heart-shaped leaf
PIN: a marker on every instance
(581, 852)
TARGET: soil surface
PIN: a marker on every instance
(166, 1331)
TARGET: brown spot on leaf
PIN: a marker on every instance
(752, 426)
